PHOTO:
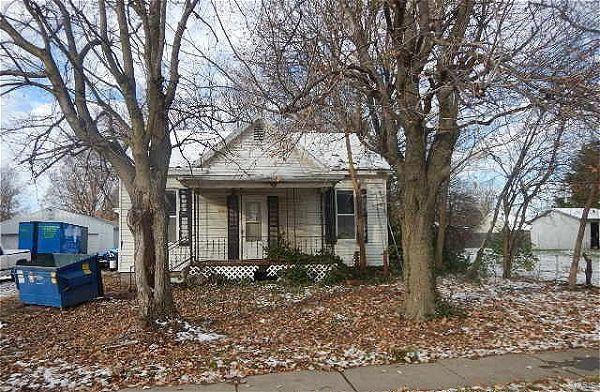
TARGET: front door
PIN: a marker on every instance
(254, 232)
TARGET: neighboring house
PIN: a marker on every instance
(557, 229)
(102, 234)
(259, 187)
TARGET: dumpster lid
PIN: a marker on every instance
(54, 260)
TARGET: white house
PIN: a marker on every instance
(102, 234)
(259, 187)
(558, 227)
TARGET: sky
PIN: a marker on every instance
(12, 107)
(23, 102)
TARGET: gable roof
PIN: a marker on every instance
(325, 150)
(577, 212)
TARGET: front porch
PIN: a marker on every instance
(238, 226)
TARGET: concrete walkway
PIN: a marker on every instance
(448, 373)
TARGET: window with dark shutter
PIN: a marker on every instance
(233, 227)
(185, 216)
(346, 224)
(329, 215)
(273, 219)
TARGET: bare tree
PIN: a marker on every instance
(584, 181)
(10, 191)
(413, 75)
(113, 69)
(525, 164)
(86, 185)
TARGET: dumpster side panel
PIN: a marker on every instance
(61, 287)
(26, 236)
(38, 286)
(50, 237)
(80, 282)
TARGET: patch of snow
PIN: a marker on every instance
(185, 331)
(8, 289)
(55, 374)
(195, 333)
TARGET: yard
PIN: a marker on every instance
(236, 330)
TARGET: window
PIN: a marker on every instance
(172, 212)
(253, 221)
(345, 214)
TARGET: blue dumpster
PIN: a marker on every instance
(59, 280)
(52, 237)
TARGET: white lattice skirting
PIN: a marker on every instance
(239, 272)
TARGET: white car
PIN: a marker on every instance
(9, 259)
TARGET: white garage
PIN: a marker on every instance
(102, 234)
(557, 229)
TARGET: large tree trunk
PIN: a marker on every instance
(148, 223)
(360, 208)
(580, 233)
(418, 218)
(418, 255)
(442, 226)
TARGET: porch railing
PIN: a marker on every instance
(216, 248)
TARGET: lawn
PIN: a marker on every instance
(238, 330)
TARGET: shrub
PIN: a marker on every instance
(523, 259)
(283, 252)
(339, 273)
(297, 275)
(455, 262)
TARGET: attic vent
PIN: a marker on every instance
(259, 133)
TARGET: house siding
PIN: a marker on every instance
(246, 158)
(377, 232)
(299, 218)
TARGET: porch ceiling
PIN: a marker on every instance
(223, 182)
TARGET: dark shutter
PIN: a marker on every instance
(273, 219)
(233, 227)
(329, 215)
(365, 217)
(185, 216)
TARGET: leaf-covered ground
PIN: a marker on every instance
(233, 331)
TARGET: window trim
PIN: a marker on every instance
(337, 214)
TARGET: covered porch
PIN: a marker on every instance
(237, 221)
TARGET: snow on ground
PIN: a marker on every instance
(54, 374)
(8, 289)
(265, 328)
(552, 265)
(185, 331)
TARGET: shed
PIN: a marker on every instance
(557, 229)
(102, 234)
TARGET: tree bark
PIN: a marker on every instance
(507, 254)
(418, 254)
(418, 217)
(360, 208)
(580, 233)
(147, 220)
(442, 226)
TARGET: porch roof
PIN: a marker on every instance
(226, 182)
